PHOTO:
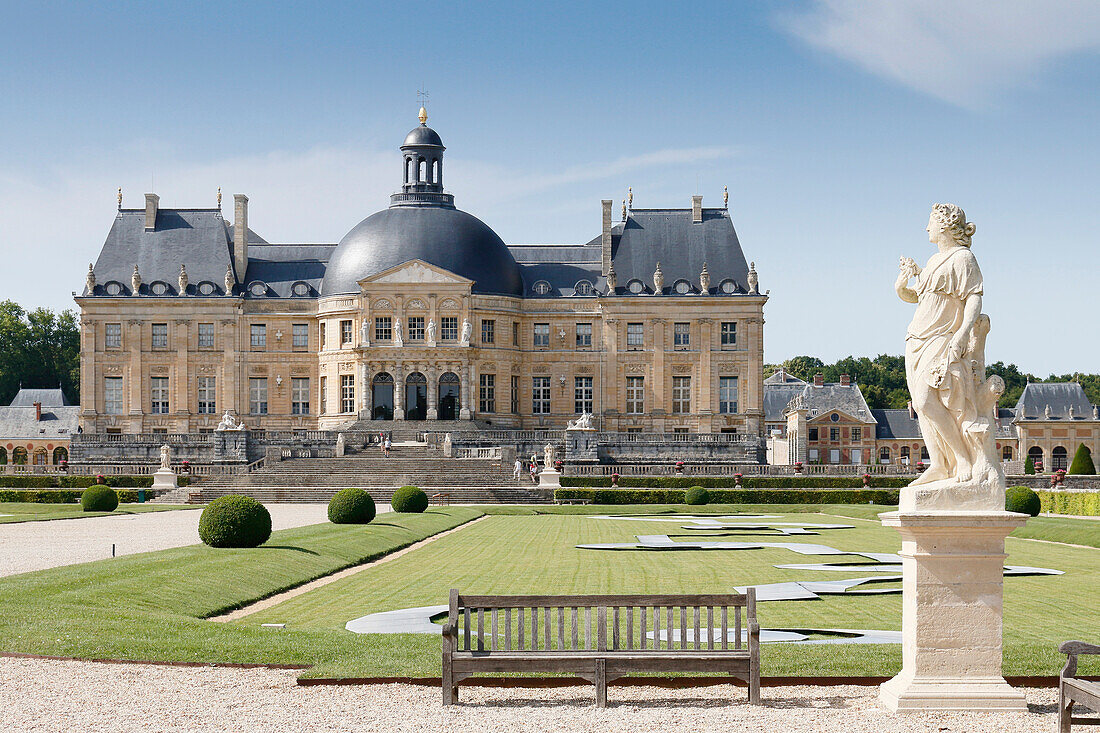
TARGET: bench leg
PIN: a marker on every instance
(1065, 712)
(601, 683)
(450, 690)
(754, 683)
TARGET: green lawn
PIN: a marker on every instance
(21, 511)
(152, 606)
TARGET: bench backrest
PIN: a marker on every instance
(599, 622)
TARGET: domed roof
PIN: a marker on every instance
(442, 236)
(423, 135)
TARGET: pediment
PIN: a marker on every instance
(415, 272)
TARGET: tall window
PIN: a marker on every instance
(416, 328)
(681, 335)
(448, 328)
(300, 336)
(207, 393)
(635, 336)
(515, 333)
(383, 328)
(834, 435)
(112, 395)
(515, 395)
(729, 333)
(681, 395)
(540, 395)
(206, 335)
(347, 393)
(488, 330)
(299, 395)
(857, 434)
(321, 334)
(114, 335)
(257, 395)
(635, 395)
(345, 333)
(488, 393)
(727, 395)
(582, 395)
(813, 433)
(258, 336)
(160, 335)
(584, 335)
(158, 393)
(324, 394)
(542, 334)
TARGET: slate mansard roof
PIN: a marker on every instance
(46, 397)
(902, 425)
(818, 401)
(18, 421)
(1060, 397)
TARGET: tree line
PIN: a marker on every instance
(38, 349)
(882, 379)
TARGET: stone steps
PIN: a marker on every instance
(317, 495)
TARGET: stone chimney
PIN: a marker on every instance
(38, 412)
(152, 203)
(696, 209)
(605, 236)
(912, 410)
(845, 380)
(240, 235)
(819, 380)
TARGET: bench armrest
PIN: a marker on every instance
(754, 629)
(1071, 649)
(450, 630)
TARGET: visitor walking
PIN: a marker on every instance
(534, 472)
(386, 445)
(516, 468)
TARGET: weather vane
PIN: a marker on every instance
(422, 98)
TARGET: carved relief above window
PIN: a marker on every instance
(382, 304)
(417, 303)
(449, 304)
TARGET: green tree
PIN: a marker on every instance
(1082, 462)
(1029, 466)
(38, 348)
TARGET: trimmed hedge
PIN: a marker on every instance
(99, 498)
(351, 506)
(1080, 503)
(696, 496)
(64, 496)
(1029, 466)
(748, 482)
(410, 500)
(235, 521)
(1022, 499)
(733, 496)
(33, 481)
(1082, 462)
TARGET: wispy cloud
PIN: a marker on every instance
(964, 53)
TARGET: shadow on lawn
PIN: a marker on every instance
(287, 547)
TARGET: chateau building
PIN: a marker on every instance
(1052, 419)
(421, 312)
(36, 427)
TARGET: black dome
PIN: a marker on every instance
(423, 135)
(443, 236)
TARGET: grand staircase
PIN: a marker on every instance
(315, 480)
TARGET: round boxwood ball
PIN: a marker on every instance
(1022, 499)
(235, 521)
(351, 506)
(696, 496)
(99, 498)
(409, 499)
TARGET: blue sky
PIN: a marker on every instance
(835, 124)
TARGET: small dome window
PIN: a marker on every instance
(729, 287)
(635, 286)
(113, 288)
(300, 289)
(257, 288)
(683, 287)
(207, 288)
(159, 288)
(583, 287)
(834, 417)
(541, 288)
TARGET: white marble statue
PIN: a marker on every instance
(397, 340)
(753, 280)
(467, 331)
(584, 422)
(229, 280)
(945, 371)
(227, 423)
(548, 456)
(658, 280)
(431, 330)
(165, 457)
(364, 333)
(91, 278)
(135, 281)
(183, 280)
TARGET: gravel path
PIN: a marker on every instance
(28, 546)
(39, 695)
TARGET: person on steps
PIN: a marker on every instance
(516, 468)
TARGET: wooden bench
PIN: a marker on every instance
(1072, 690)
(443, 498)
(601, 637)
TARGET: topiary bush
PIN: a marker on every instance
(1082, 462)
(409, 499)
(351, 506)
(696, 496)
(235, 521)
(99, 498)
(1029, 466)
(1022, 499)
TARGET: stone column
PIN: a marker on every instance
(230, 349)
(181, 390)
(432, 374)
(660, 404)
(706, 371)
(464, 411)
(952, 606)
(398, 391)
(135, 374)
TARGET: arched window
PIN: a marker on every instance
(421, 170)
(60, 453)
(636, 286)
(884, 454)
(19, 456)
(681, 287)
(1059, 459)
(1035, 453)
(729, 287)
(583, 287)
(924, 453)
(905, 453)
(1006, 453)
(541, 288)
(3, 456)
(41, 458)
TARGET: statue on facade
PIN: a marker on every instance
(945, 370)
(431, 330)
(165, 456)
(754, 280)
(135, 281)
(91, 279)
(704, 280)
(183, 279)
(364, 333)
(658, 280)
(397, 340)
(228, 422)
(584, 422)
(548, 456)
(467, 331)
(229, 280)
(612, 280)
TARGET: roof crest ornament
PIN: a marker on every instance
(219, 198)
(624, 209)
(704, 280)
(611, 279)
(183, 278)
(658, 280)
(726, 196)
(120, 198)
(630, 196)
(135, 281)
(91, 279)
(229, 280)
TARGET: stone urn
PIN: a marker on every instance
(737, 478)
(679, 467)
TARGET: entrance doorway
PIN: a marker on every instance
(416, 397)
(382, 397)
(448, 396)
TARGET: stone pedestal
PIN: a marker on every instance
(952, 610)
(164, 478)
(549, 479)
(581, 445)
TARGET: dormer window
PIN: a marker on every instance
(729, 287)
(257, 289)
(583, 287)
(113, 288)
(681, 287)
(635, 286)
(207, 288)
(159, 288)
(541, 288)
(300, 289)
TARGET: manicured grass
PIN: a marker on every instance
(21, 511)
(1059, 529)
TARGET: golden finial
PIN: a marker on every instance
(219, 198)
(630, 196)
(725, 196)
(120, 198)
(423, 115)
